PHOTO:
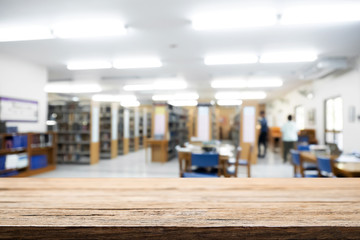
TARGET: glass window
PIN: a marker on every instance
(334, 121)
(300, 117)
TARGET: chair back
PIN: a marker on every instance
(303, 139)
(305, 148)
(205, 159)
(325, 166)
(246, 152)
(295, 157)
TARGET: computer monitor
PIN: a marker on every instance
(334, 149)
(2, 127)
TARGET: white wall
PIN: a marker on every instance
(24, 80)
(346, 85)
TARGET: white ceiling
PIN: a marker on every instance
(155, 26)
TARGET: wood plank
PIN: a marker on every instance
(180, 208)
(114, 148)
(126, 145)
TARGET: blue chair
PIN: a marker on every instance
(303, 147)
(303, 139)
(325, 167)
(203, 160)
(295, 157)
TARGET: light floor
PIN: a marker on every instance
(135, 165)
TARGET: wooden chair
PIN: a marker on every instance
(311, 134)
(243, 158)
(184, 157)
(299, 169)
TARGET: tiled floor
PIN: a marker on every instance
(135, 165)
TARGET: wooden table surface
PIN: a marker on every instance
(347, 169)
(180, 208)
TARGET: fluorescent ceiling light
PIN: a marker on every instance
(89, 28)
(176, 96)
(113, 98)
(231, 59)
(265, 82)
(8, 34)
(183, 103)
(288, 57)
(88, 65)
(130, 103)
(127, 63)
(169, 84)
(246, 18)
(240, 95)
(138, 87)
(251, 83)
(228, 83)
(320, 14)
(229, 102)
(72, 87)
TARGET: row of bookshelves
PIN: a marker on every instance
(78, 123)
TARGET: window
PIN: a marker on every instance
(300, 117)
(334, 121)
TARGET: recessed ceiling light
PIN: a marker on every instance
(252, 82)
(113, 98)
(240, 95)
(24, 33)
(229, 102)
(288, 57)
(231, 59)
(169, 84)
(89, 28)
(229, 83)
(72, 87)
(87, 65)
(245, 18)
(128, 63)
(176, 96)
(264, 82)
(183, 103)
(325, 14)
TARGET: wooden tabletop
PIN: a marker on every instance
(180, 208)
(347, 169)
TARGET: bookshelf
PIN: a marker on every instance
(169, 129)
(136, 129)
(108, 130)
(126, 130)
(120, 125)
(77, 127)
(148, 124)
(132, 130)
(142, 127)
(105, 131)
(27, 154)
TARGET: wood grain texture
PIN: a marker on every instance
(180, 208)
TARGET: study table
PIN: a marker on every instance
(345, 165)
(184, 156)
(180, 208)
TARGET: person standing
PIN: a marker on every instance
(263, 134)
(289, 136)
